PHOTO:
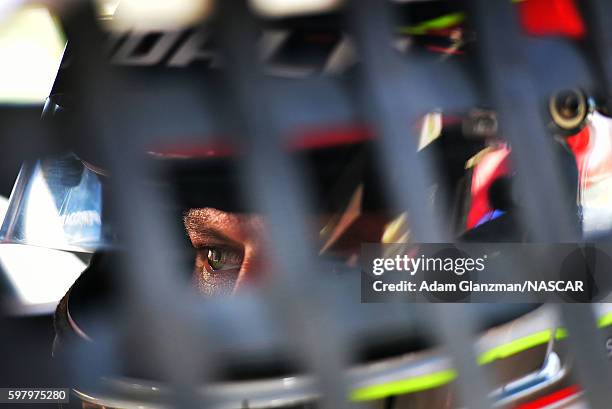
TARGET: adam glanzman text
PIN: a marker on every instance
(470, 286)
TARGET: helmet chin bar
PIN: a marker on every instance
(409, 377)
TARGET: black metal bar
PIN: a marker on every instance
(149, 240)
(455, 327)
(392, 104)
(507, 80)
(598, 21)
(389, 103)
(587, 346)
(277, 188)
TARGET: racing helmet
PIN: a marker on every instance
(59, 202)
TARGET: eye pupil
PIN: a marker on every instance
(214, 255)
(223, 259)
(215, 259)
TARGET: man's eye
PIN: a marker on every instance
(219, 259)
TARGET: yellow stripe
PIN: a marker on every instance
(447, 20)
(605, 321)
(530, 341)
(602, 322)
(415, 384)
(514, 347)
(437, 379)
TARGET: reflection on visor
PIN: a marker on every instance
(56, 203)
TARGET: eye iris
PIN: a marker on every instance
(215, 259)
(222, 259)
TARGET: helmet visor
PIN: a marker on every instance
(56, 203)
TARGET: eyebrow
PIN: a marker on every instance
(204, 232)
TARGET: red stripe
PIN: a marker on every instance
(443, 32)
(444, 50)
(329, 137)
(315, 138)
(551, 18)
(304, 139)
(217, 149)
(552, 398)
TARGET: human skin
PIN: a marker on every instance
(231, 251)
(235, 240)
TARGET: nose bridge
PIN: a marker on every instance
(253, 269)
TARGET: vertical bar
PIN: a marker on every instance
(273, 182)
(592, 367)
(389, 101)
(151, 270)
(587, 346)
(508, 82)
(598, 19)
(456, 326)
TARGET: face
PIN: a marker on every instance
(229, 249)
